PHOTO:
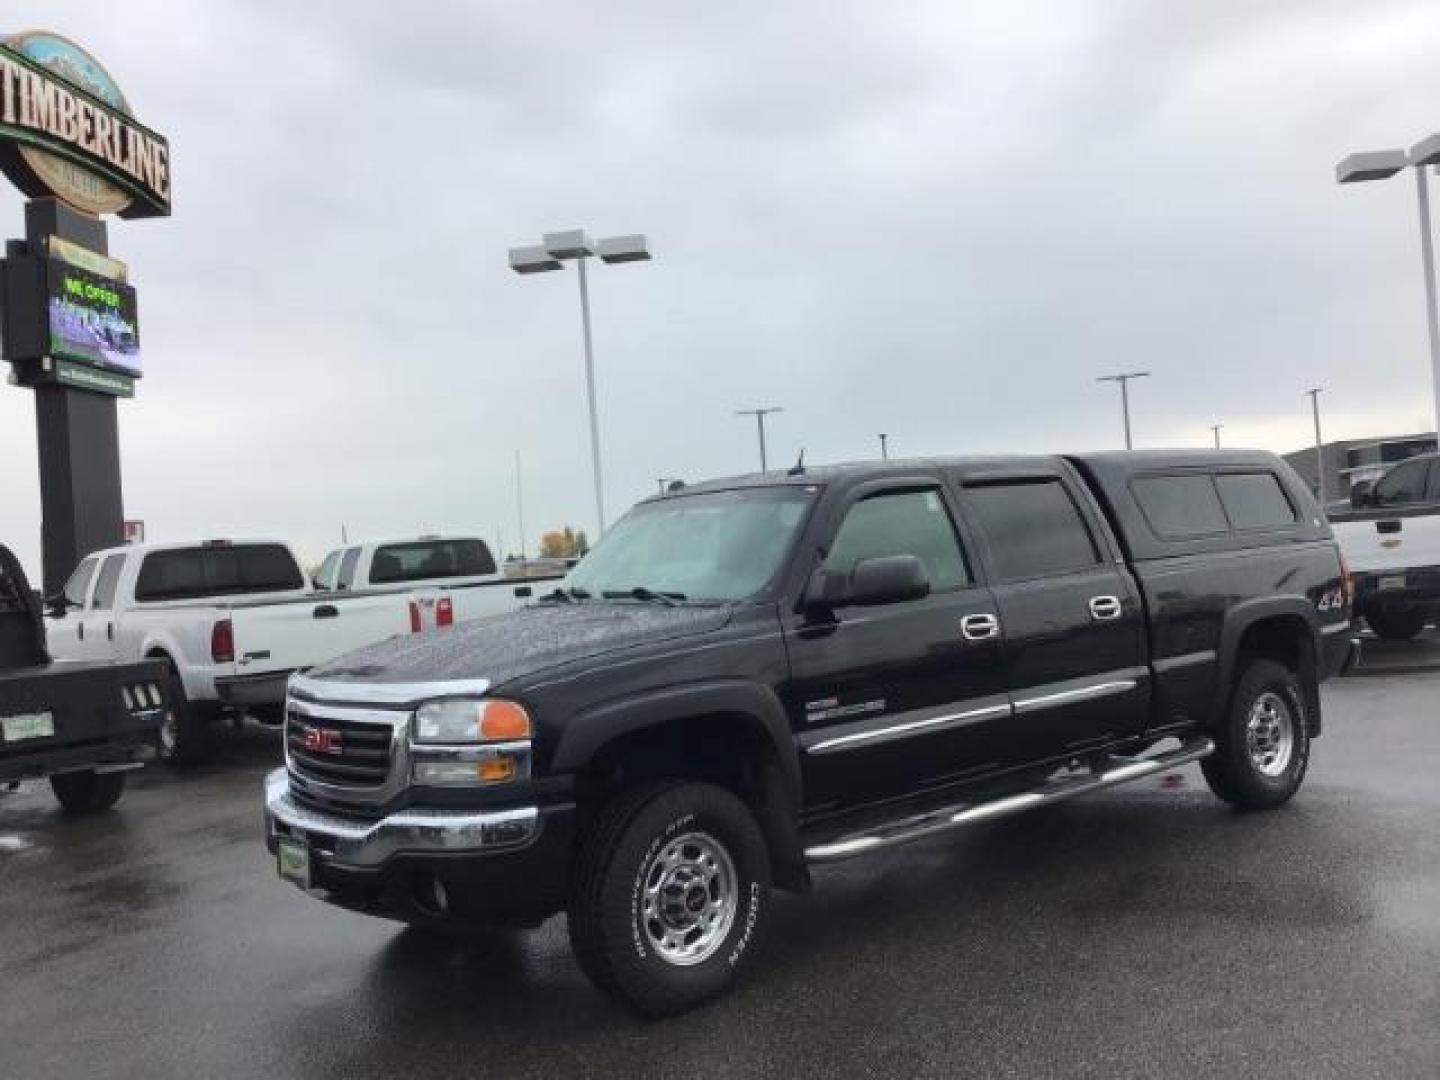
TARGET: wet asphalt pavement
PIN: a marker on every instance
(1145, 932)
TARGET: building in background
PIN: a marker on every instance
(1353, 461)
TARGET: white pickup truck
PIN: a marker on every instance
(1390, 538)
(449, 579)
(231, 619)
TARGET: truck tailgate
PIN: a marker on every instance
(1379, 541)
(300, 634)
(93, 713)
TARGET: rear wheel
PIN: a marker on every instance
(1262, 748)
(671, 893)
(87, 792)
(186, 735)
(1398, 625)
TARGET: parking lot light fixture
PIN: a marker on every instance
(554, 250)
(1123, 379)
(1381, 165)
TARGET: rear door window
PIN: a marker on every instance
(1034, 529)
(107, 581)
(1254, 500)
(347, 569)
(1180, 505)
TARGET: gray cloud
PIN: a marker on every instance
(935, 220)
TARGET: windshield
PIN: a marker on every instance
(723, 545)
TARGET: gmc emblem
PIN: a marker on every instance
(322, 741)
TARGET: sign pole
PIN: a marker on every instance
(77, 431)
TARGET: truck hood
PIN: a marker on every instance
(502, 648)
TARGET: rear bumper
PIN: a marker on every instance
(241, 690)
(504, 866)
(1379, 590)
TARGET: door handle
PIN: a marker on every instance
(326, 611)
(1105, 608)
(979, 627)
(80, 632)
(1387, 526)
(110, 631)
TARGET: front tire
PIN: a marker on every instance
(87, 792)
(1397, 625)
(1262, 748)
(671, 894)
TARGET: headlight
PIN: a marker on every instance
(486, 720)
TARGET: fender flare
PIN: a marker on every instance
(1245, 615)
(588, 731)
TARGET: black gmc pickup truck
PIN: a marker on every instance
(750, 677)
(84, 725)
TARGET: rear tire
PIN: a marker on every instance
(186, 735)
(671, 893)
(1262, 748)
(87, 792)
(1399, 625)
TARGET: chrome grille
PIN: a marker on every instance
(339, 752)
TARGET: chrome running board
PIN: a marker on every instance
(1113, 770)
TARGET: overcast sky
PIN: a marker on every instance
(938, 220)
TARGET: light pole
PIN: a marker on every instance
(1124, 380)
(1215, 430)
(1380, 165)
(760, 415)
(1314, 393)
(884, 450)
(551, 254)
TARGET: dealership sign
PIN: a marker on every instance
(66, 130)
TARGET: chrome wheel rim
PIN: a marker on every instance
(1270, 734)
(169, 732)
(689, 899)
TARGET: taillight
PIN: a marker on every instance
(444, 612)
(415, 624)
(1347, 583)
(222, 642)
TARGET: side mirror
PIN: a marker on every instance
(56, 606)
(1362, 495)
(891, 579)
(888, 579)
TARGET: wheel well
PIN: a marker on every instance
(730, 750)
(1288, 640)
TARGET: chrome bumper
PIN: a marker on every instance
(366, 845)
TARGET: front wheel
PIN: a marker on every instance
(1263, 745)
(87, 792)
(671, 893)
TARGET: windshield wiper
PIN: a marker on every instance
(567, 595)
(640, 592)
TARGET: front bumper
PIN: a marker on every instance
(503, 867)
(367, 845)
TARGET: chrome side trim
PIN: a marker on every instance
(903, 831)
(1170, 663)
(369, 844)
(392, 694)
(1069, 697)
(905, 730)
(1336, 628)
